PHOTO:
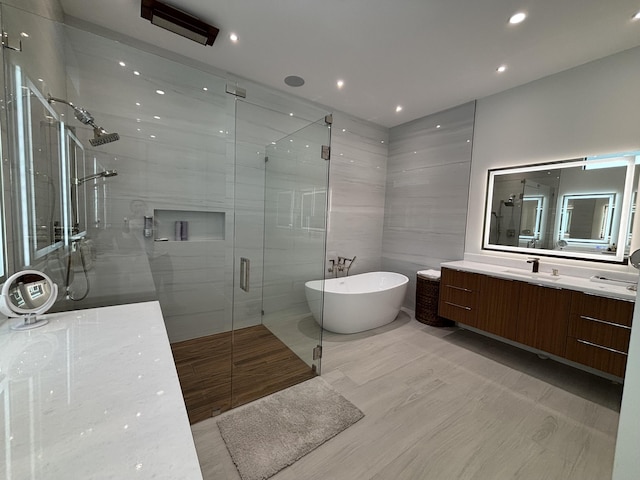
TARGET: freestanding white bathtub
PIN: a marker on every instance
(357, 303)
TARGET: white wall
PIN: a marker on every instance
(588, 110)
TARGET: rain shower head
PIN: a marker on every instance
(100, 135)
(510, 202)
(103, 174)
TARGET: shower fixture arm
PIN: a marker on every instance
(81, 114)
(100, 135)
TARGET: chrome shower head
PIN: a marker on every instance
(100, 135)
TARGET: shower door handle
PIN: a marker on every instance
(245, 275)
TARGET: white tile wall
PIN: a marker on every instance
(357, 174)
(427, 189)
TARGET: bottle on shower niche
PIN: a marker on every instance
(148, 226)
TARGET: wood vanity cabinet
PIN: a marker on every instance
(459, 296)
(586, 329)
(599, 332)
(498, 306)
(543, 316)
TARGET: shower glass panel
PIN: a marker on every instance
(280, 227)
(188, 201)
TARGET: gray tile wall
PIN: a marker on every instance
(426, 192)
(357, 189)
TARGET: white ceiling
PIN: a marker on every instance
(426, 55)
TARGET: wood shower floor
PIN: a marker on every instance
(213, 382)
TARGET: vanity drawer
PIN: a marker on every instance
(602, 308)
(459, 296)
(602, 321)
(596, 356)
(600, 332)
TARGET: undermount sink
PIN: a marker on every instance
(537, 275)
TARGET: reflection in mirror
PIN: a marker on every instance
(28, 294)
(576, 208)
(587, 218)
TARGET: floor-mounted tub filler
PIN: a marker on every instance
(357, 303)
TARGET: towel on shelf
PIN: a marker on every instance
(430, 274)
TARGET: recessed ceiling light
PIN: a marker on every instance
(381, 141)
(344, 129)
(233, 37)
(24, 34)
(340, 83)
(122, 64)
(160, 92)
(152, 136)
(636, 16)
(137, 104)
(40, 80)
(138, 129)
(137, 120)
(156, 117)
(136, 72)
(291, 114)
(205, 88)
(398, 108)
(517, 18)
(501, 68)
(438, 126)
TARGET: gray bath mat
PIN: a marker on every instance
(270, 434)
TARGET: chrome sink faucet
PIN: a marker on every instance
(536, 264)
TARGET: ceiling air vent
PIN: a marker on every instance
(177, 21)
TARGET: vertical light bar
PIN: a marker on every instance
(64, 174)
(30, 174)
(22, 163)
(625, 209)
(95, 196)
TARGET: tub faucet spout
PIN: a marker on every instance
(350, 260)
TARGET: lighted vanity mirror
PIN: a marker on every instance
(40, 176)
(580, 208)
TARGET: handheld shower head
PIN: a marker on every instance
(103, 174)
(100, 135)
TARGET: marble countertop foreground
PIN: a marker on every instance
(582, 284)
(94, 394)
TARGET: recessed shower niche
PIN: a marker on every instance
(188, 225)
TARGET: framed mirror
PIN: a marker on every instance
(580, 208)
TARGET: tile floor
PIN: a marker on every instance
(445, 404)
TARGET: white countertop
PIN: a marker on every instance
(581, 284)
(93, 395)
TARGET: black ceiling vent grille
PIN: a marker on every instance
(177, 21)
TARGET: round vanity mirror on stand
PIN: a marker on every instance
(28, 294)
(634, 260)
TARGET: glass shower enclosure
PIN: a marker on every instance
(218, 209)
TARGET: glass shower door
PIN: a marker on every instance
(279, 246)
